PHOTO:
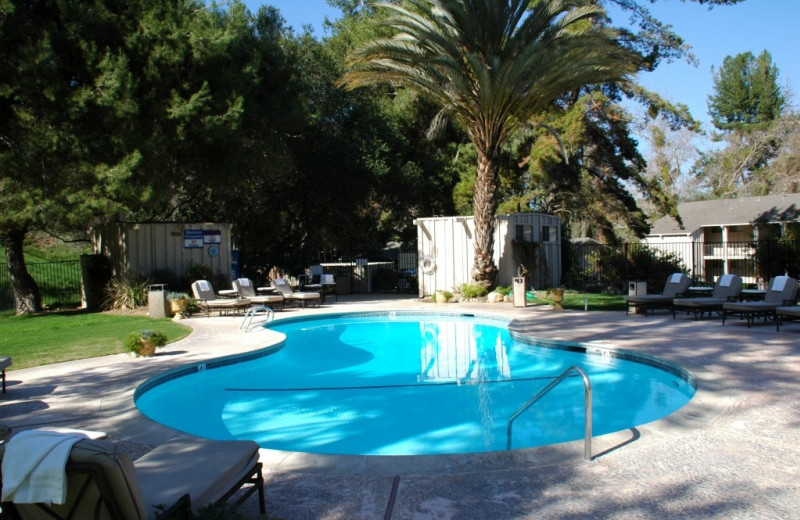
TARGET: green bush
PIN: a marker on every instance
(126, 292)
(469, 291)
(614, 267)
(505, 291)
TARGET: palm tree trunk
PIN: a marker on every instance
(484, 271)
(27, 297)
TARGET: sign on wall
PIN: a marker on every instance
(212, 236)
(193, 238)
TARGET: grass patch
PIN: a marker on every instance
(34, 340)
(577, 301)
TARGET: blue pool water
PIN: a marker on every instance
(409, 384)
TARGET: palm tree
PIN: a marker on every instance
(491, 65)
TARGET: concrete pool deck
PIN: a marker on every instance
(730, 453)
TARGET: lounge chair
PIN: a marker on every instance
(244, 288)
(726, 290)
(208, 301)
(788, 312)
(676, 285)
(782, 292)
(5, 362)
(172, 480)
(291, 296)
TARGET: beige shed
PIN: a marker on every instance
(139, 248)
(446, 250)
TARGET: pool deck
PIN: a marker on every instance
(731, 453)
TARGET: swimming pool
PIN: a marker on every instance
(410, 383)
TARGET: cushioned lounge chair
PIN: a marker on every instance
(208, 301)
(676, 285)
(727, 289)
(244, 288)
(5, 362)
(298, 297)
(170, 481)
(788, 312)
(782, 292)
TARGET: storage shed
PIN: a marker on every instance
(138, 248)
(446, 248)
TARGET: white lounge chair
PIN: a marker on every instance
(208, 300)
(727, 289)
(782, 292)
(291, 296)
(245, 289)
(676, 284)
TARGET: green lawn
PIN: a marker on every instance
(577, 301)
(52, 338)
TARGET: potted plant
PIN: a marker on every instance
(177, 302)
(144, 343)
(558, 297)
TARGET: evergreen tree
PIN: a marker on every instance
(746, 93)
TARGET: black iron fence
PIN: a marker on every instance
(588, 267)
(609, 268)
(59, 284)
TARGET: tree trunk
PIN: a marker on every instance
(484, 271)
(27, 297)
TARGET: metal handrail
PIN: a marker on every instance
(247, 323)
(587, 385)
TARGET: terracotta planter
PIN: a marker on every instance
(147, 349)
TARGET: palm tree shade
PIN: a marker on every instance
(491, 65)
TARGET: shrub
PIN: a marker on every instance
(126, 292)
(505, 291)
(470, 291)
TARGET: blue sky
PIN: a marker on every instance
(752, 26)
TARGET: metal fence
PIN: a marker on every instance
(609, 268)
(589, 267)
(59, 284)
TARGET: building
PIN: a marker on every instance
(719, 236)
(144, 248)
(446, 249)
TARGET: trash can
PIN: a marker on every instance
(157, 301)
(519, 292)
(637, 288)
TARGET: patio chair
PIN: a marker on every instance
(173, 480)
(788, 312)
(245, 289)
(5, 362)
(208, 300)
(727, 289)
(675, 286)
(782, 292)
(298, 297)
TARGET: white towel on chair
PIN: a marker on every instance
(676, 278)
(779, 283)
(203, 285)
(34, 466)
(726, 280)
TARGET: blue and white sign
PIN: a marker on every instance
(193, 238)
(212, 236)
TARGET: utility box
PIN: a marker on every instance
(519, 292)
(157, 301)
(637, 288)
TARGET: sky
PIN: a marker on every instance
(754, 25)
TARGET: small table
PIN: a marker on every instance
(266, 290)
(700, 291)
(752, 294)
(228, 293)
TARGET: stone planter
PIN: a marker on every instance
(177, 306)
(558, 299)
